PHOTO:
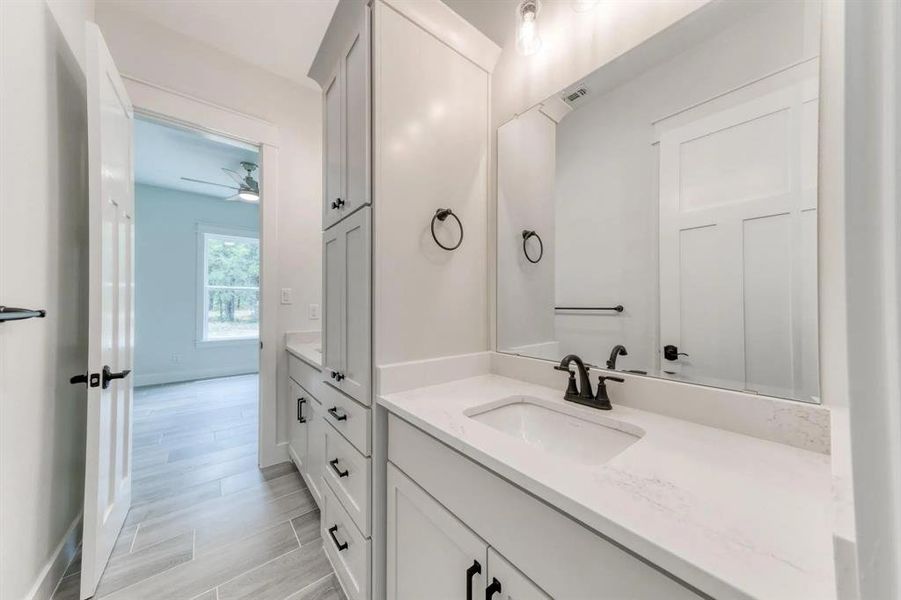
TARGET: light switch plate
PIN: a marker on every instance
(286, 296)
(314, 312)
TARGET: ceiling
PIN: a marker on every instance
(280, 36)
(164, 154)
(494, 18)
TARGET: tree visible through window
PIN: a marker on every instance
(231, 287)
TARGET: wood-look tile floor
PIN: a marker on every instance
(206, 523)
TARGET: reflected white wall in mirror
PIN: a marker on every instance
(680, 183)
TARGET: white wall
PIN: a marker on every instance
(526, 171)
(606, 192)
(166, 286)
(431, 119)
(160, 56)
(43, 264)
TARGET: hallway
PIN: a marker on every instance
(205, 522)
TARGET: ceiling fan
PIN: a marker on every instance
(247, 188)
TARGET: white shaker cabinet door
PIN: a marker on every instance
(346, 137)
(333, 151)
(333, 274)
(503, 581)
(300, 424)
(431, 554)
(315, 450)
(356, 114)
(356, 338)
(347, 300)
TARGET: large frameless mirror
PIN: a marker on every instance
(659, 216)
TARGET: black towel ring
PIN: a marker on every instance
(441, 214)
(526, 234)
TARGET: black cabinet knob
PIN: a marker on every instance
(338, 203)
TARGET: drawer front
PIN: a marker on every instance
(348, 473)
(305, 375)
(347, 416)
(347, 549)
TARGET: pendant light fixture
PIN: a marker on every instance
(528, 40)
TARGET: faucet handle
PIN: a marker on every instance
(604, 378)
(571, 389)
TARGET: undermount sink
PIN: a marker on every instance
(557, 432)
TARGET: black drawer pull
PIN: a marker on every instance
(338, 472)
(338, 203)
(494, 588)
(343, 545)
(300, 402)
(334, 412)
(470, 573)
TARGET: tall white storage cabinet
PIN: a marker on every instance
(405, 132)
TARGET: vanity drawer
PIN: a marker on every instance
(348, 473)
(347, 416)
(304, 374)
(347, 549)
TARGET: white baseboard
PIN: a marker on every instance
(142, 379)
(53, 571)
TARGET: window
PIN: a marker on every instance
(230, 290)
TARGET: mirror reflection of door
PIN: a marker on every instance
(738, 242)
(674, 191)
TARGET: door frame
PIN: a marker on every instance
(163, 104)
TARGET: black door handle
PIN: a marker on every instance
(300, 403)
(494, 588)
(338, 472)
(470, 573)
(339, 545)
(671, 352)
(334, 412)
(110, 375)
(92, 379)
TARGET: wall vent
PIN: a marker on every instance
(573, 96)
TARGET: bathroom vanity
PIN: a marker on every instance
(553, 499)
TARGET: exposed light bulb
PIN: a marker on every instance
(528, 40)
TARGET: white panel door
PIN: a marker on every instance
(738, 244)
(333, 192)
(110, 320)
(431, 554)
(356, 331)
(506, 582)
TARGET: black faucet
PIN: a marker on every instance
(582, 394)
(618, 350)
(602, 400)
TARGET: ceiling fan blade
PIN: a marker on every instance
(231, 187)
(238, 179)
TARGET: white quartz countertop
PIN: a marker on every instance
(309, 352)
(732, 515)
